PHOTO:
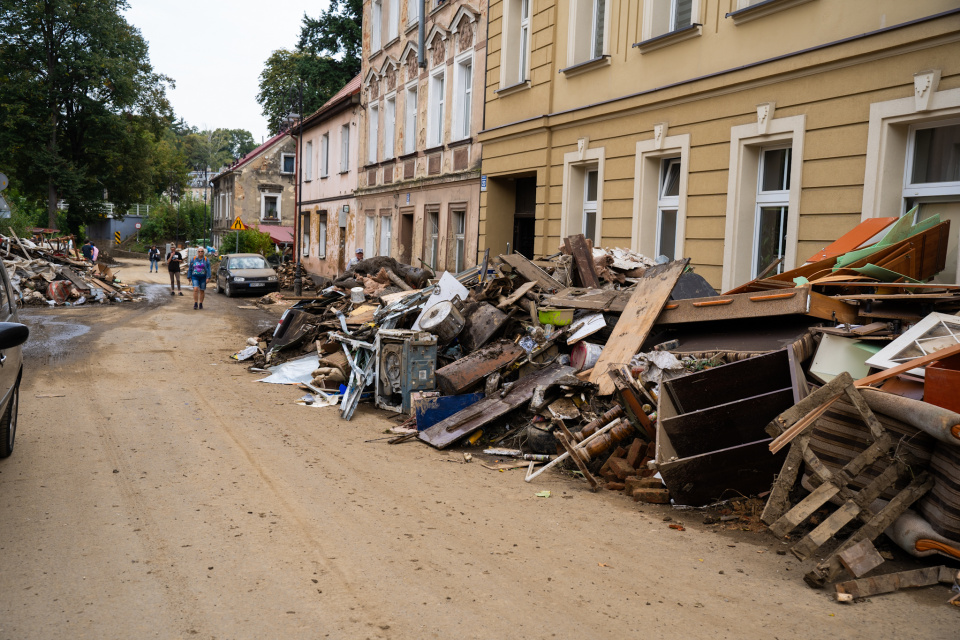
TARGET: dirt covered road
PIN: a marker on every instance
(158, 491)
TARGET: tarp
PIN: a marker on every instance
(279, 235)
(293, 371)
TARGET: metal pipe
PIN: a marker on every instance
(421, 36)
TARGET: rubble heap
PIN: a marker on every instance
(636, 374)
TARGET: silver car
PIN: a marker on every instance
(246, 272)
(12, 336)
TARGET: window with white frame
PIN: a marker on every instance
(515, 47)
(345, 148)
(436, 102)
(773, 207)
(588, 29)
(389, 126)
(393, 24)
(308, 161)
(322, 235)
(463, 96)
(665, 16)
(433, 238)
(370, 236)
(413, 11)
(376, 24)
(386, 234)
(373, 130)
(459, 239)
(325, 155)
(288, 163)
(589, 226)
(305, 221)
(410, 118)
(668, 206)
(269, 206)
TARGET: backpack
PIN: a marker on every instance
(199, 269)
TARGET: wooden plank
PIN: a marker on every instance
(779, 501)
(804, 509)
(860, 558)
(869, 329)
(732, 307)
(832, 309)
(583, 257)
(890, 582)
(531, 272)
(589, 299)
(647, 301)
(520, 291)
(922, 361)
(445, 433)
(72, 276)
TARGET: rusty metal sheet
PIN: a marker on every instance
(459, 376)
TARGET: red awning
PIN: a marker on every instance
(279, 235)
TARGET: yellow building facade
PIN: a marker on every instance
(733, 132)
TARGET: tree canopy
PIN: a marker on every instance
(325, 58)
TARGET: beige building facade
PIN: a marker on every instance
(734, 132)
(419, 180)
(328, 206)
(258, 188)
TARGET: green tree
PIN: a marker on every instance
(325, 58)
(81, 109)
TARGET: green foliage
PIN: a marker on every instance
(81, 109)
(176, 221)
(249, 241)
(325, 58)
(25, 215)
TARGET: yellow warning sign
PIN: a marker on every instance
(237, 225)
(116, 237)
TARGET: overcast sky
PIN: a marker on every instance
(215, 51)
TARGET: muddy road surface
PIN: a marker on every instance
(158, 491)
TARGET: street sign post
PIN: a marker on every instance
(237, 226)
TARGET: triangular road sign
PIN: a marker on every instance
(237, 225)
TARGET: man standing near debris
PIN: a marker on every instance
(87, 250)
(154, 256)
(174, 259)
(199, 270)
(353, 261)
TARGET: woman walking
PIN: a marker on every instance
(199, 270)
(174, 260)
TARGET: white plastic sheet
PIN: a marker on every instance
(294, 371)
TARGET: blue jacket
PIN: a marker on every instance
(206, 264)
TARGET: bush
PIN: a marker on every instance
(178, 221)
(249, 241)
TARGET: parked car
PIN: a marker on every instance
(12, 336)
(246, 272)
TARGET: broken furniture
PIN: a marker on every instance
(711, 441)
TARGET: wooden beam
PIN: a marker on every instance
(583, 256)
(531, 272)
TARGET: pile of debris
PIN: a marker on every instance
(637, 375)
(44, 273)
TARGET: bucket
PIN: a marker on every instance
(584, 355)
(356, 295)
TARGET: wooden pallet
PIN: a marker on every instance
(782, 518)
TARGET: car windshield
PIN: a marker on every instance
(249, 263)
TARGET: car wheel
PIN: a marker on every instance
(219, 288)
(8, 423)
(229, 289)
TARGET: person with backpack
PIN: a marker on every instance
(174, 260)
(199, 272)
(154, 256)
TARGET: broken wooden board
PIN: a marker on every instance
(794, 301)
(890, 582)
(647, 301)
(520, 291)
(462, 423)
(583, 257)
(460, 375)
(75, 279)
(860, 558)
(531, 272)
(590, 299)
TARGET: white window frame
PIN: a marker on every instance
(589, 206)
(307, 161)
(746, 143)
(393, 20)
(306, 220)
(413, 12)
(459, 227)
(432, 235)
(463, 96)
(322, 235)
(345, 148)
(516, 42)
(370, 235)
(436, 101)
(769, 199)
(389, 126)
(325, 155)
(283, 162)
(576, 164)
(583, 28)
(376, 25)
(667, 203)
(410, 117)
(922, 190)
(373, 130)
(385, 235)
(263, 204)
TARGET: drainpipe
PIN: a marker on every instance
(421, 36)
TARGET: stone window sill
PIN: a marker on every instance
(668, 39)
(514, 88)
(584, 67)
(762, 9)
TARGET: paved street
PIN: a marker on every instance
(158, 491)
